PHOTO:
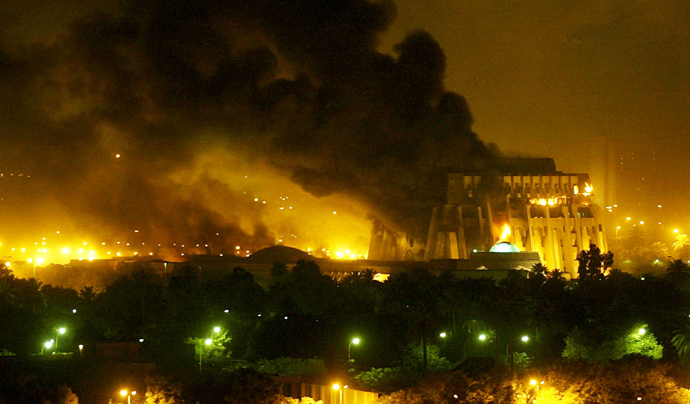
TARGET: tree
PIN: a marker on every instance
(593, 264)
(678, 272)
(681, 341)
(413, 295)
(539, 271)
(682, 245)
(88, 293)
(160, 390)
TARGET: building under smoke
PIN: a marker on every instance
(524, 201)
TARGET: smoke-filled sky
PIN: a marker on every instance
(177, 120)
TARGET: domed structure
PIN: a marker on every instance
(504, 247)
(279, 254)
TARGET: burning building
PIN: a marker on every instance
(526, 202)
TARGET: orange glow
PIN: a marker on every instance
(506, 233)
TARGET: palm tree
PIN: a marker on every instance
(538, 270)
(678, 272)
(681, 341)
(681, 244)
(88, 293)
(30, 294)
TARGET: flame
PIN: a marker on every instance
(506, 232)
(588, 188)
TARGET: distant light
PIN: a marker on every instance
(208, 341)
(141, 340)
(117, 156)
(226, 311)
(442, 335)
(628, 218)
(48, 344)
(482, 337)
(336, 386)
(641, 331)
(658, 206)
(355, 341)
(62, 330)
(676, 230)
(641, 221)
(216, 329)
(524, 338)
(74, 311)
(286, 317)
(533, 382)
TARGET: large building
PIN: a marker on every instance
(527, 202)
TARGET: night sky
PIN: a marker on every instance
(342, 106)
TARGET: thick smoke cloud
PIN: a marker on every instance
(111, 119)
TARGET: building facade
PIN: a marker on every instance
(551, 214)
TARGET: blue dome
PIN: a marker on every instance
(504, 247)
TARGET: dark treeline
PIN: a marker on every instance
(415, 321)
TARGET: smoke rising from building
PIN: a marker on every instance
(179, 120)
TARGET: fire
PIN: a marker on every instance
(506, 232)
(588, 189)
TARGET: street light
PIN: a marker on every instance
(129, 395)
(355, 341)
(480, 337)
(533, 382)
(47, 344)
(207, 342)
(337, 387)
(60, 331)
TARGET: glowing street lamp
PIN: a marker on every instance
(47, 345)
(443, 335)
(337, 387)
(355, 341)
(534, 383)
(60, 331)
(125, 393)
(480, 337)
(207, 342)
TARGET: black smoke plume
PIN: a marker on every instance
(299, 85)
